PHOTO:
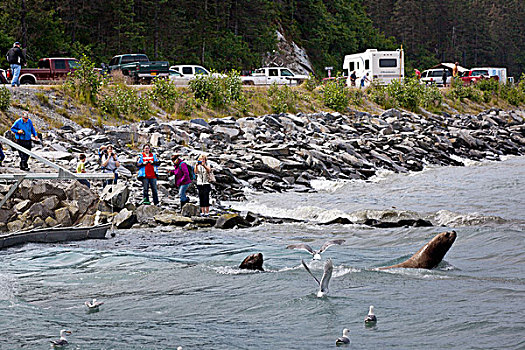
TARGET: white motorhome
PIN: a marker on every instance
(381, 66)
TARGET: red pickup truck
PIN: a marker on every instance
(49, 69)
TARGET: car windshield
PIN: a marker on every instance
(175, 73)
(286, 73)
(202, 71)
(73, 64)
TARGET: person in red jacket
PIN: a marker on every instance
(148, 166)
(182, 178)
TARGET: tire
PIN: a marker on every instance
(27, 81)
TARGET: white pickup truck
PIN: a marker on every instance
(271, 75)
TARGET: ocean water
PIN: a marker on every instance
(169, 287)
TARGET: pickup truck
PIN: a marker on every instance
(190, 71)
(271, 75)
(49, 69)
(138, 66)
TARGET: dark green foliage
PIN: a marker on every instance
(122, 101)
(5, 98)
(282, 99)
(218, 90)
(335, 95)
(165, 94)
(85, 82)
(409, 94)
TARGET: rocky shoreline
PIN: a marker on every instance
(271, 153)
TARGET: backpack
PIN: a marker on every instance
(12, 57)
(191, 171)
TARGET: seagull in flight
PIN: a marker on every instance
(93, 305)
(323, 285)
(316, 254)
(62, 341)
(344, 339)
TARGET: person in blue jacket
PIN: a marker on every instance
(2, 155)
(24, 129)
(148, 164)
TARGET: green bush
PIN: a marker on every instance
(121, 101)
(218, 91)
(459, 92)
(85, 82)
(311, 83)
(164, 94)
(409, 94)
(282, 99)
(335, 95)
(5, 98)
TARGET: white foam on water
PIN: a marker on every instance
(453, 219)
(228, 270)
(7, 287)
(330, 186)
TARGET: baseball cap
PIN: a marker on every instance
(16, 43)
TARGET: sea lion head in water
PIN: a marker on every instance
(253, 262)
(431, 254)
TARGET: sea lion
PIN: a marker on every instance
(431, 254)
(253, 262)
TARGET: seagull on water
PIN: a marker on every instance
(62, 341)
(371, 318)
(93, 305)
(344, 339)
(323, 285)
(316, 253)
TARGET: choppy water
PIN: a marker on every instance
(169, 287)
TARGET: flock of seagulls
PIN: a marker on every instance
(370, 319)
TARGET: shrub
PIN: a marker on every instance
(459, 91)
(335, 95)
(311, 83)
(218, 91)
(5, 98)
(165, 94)
(85, 82)
(282, 99)
(120, 100)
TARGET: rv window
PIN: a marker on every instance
(387, 62)
(352, 66)
(367, 64)
(357, 66)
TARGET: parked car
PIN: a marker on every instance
(476, 74)
(49, 70)
(274, 75)
(435, 76)
(177, 78)
(138, 66)
(190, 71)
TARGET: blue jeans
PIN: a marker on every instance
(2, 155)
(182, 192)
(153, 184)
(15, 69)
(111, 182)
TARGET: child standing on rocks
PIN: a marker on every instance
(148, 167)
(81, 168)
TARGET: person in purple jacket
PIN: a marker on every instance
(182, 178)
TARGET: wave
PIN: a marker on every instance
(453, 219)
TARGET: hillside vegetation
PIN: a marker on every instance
(238, 34)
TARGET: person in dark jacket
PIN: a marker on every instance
(16, 58)
(182, 178)
(23, 129)
(2, 155)
(148, 166)
(444, 77)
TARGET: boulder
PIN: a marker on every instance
(146, 213)
(21, 206)
(273, 163)
(16, 225)
(50, 222)
(38, 210)
(84, 196)
(172, 218)
(50, 203)
(6, 214)
(227, 221)
(40, 189)
(87, 220)
(63, 217)
(253, 262)
(125, 219)
(38, 222)
(190, 210)
(116, 195)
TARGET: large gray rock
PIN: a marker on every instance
(63, 217)
(116, 195)
(146, 213)
(172, 218)
(190, 210)
(38, 210)
(84, 197)
(227, 221)
(125, 219)
(40, 189)
(16, 225)
(5, 215)
(21, 206)
(50, 203)
(50, 222)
